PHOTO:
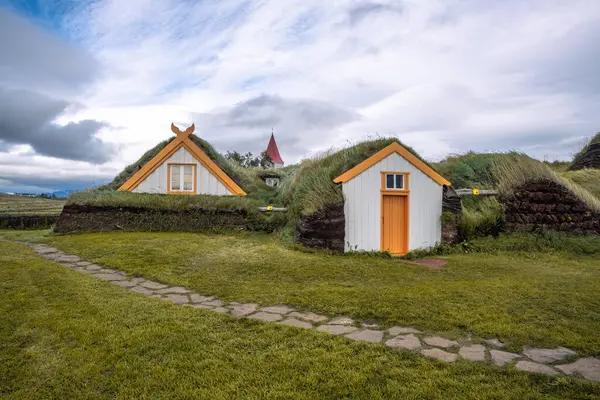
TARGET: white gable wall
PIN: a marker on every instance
(206, 183)
(362, 207)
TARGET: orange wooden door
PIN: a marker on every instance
(394, 224)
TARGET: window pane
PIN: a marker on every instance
(399, 181)
(389, 184)
(175, 177)
(188, 177)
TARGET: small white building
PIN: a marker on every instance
(182, 168)
(392, 201)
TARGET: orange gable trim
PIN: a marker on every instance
(383, 153)
(182, 140)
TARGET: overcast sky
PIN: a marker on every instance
(87, 86)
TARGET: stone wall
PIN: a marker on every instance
(591, 158)
(451, 214)
(77, 218)
(324, 229)
(544, 204)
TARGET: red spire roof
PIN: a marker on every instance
(273, 151)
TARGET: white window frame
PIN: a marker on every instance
(182, 167)
(395, 181)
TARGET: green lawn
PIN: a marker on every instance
(65, 335)
(538, 298)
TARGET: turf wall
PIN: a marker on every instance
(324, 229)
(27, 221)
(544, 204)
(82, 218)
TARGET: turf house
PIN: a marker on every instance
(392, 201)
(182, 167)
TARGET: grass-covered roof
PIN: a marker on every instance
(518, 169)
(588, 156)
(309, 187)
(131, 169)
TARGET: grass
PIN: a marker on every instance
(67, 335)
(589, 179)
(22, 205)
(519, 169)
(547, 298)
(481, 216)
(112, 198)
(471, 170)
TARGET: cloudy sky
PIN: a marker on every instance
(87, 86)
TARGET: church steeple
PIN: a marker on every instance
(273, 152)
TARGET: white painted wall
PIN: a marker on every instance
(362, 207)
(206, 183)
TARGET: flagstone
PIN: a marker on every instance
(215, 303)
(177, 298)
(110, 277)
(409, 342)
(308, 316)
(83, 263)
(174, 290)
(297, 323)
(440, 354)
(474, 352)
(45, 250)
(240, 310)
(336, 329)
(68, 258)
(142, 290)
(202, 306)
(196, 298)
(529, 366)
(494, 342)
(278, 309)
(266, 316)
(589, 368)
(438, 341)
(501, 358)
(547, 356)
(397, 330)
(366, 335)
(341, 321)
(153, 285)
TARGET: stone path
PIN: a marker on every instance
(552, 362)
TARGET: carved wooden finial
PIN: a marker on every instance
(187, 132)
(175, 129)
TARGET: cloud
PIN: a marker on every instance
(33, 59)
(247, 125)
(445, 76)
(27, 118)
